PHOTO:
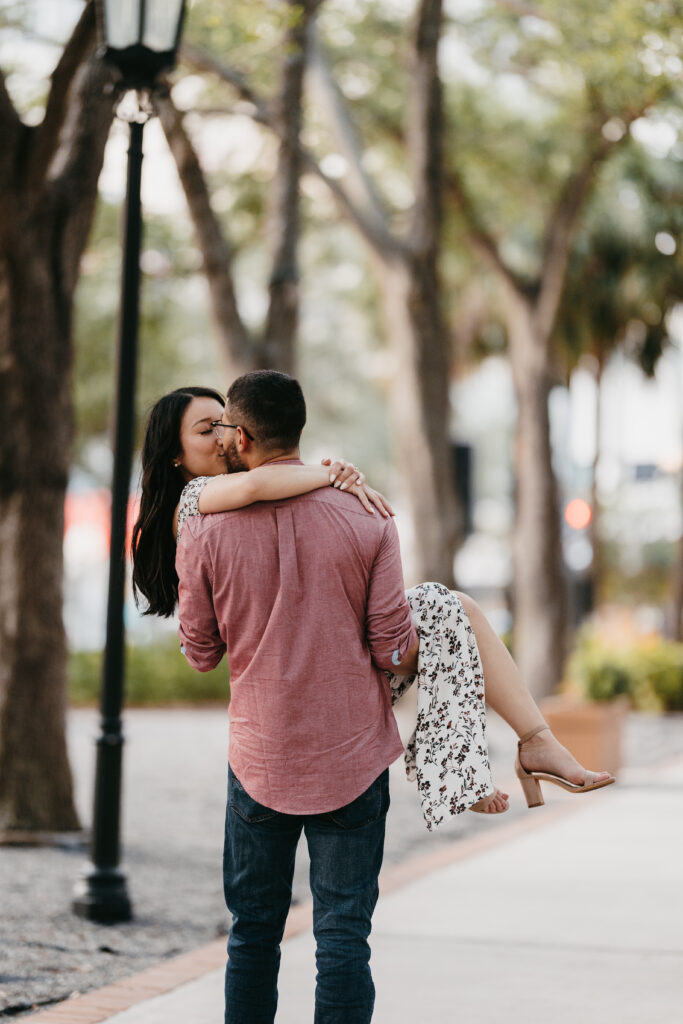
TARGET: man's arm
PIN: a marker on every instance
(201, 641)
(408, 665)
(390, 633)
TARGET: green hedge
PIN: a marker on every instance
(650, 674)
(155, 674)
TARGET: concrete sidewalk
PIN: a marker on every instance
(575, 914)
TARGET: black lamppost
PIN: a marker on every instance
(140, 39)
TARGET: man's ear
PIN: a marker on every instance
(242, 441)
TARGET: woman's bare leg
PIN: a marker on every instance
(505, 689)
(509, 697)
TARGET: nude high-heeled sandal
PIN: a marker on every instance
(530, 781)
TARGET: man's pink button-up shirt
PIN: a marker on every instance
(307, 597)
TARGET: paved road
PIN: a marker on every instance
(175, 768)
(574, 919)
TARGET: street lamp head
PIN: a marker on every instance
(139, 37)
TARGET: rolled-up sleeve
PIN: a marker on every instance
(389, 627)
(200, 638)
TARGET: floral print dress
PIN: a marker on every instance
(189, 500)
(447, 755)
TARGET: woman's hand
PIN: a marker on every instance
(348, 477)
(343, 474)
(368, 497)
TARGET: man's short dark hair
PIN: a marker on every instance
(271, 406)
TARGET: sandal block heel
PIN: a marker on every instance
(531, 788)
(529, 781)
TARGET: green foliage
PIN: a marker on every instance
(155, 674)
(368, 47)
(661, 669)
(526, 99)
(633, 285)
(175, 340)
(535, 95)
(598, 673)
(649, 674)
(246, 33)
(649, 583)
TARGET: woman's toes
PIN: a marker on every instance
(489, 804)
(493, 804)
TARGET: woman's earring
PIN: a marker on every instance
(176, 464)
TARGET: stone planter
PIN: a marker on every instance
(592, 731)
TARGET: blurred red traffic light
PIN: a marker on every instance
(578, 514)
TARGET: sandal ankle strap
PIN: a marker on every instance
(533, 732)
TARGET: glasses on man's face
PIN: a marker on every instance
(219, 428)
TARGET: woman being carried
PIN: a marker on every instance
(184, 474)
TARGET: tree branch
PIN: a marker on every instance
(563, 224)
(379, 239)
(361, 186)
(212, 242)
(76, 164)
(559, 236)
(384, 244)
(201, 60)
(425, 129)
(46, 136)
(480, 239)
(284, 214)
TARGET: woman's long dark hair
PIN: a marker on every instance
(154, 574)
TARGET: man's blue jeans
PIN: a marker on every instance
(345, 848)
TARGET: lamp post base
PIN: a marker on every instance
(101, 895)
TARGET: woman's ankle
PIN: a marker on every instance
(532, 732)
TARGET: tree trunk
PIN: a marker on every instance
(419, 334)
(35, 778)
(539, 589)
(279, 338)
(407, 275)
(48, 189)
(215, 250)
(420, 410)
(275, 347)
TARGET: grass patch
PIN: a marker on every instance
(155, 674)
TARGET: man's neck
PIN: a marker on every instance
(279, 457)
